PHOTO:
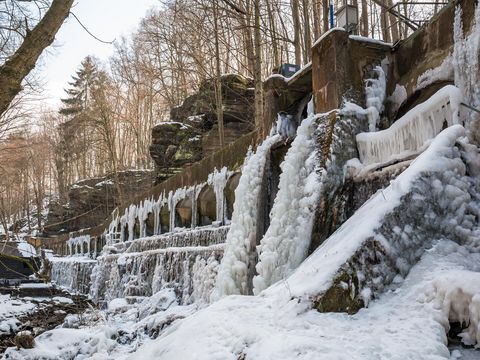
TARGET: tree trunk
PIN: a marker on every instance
(307, 36)
(23, 61)
(218, 82)
(296, 31)
(364, 19)
(258, 70)
(325, 15)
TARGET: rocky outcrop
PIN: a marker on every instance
(192, 130)
(90, 201)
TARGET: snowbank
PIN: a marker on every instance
(402, 324)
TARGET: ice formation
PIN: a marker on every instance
(79, 245)
(375, 93)
(233, 272)
(286, 126)
(398, 97)
(287, 239)
(412, 132)
(72, 273)
(465, 61)
(143, 274)
(457, 294)
(264, 328)
(444, 72)
(218, 179)
(451, 193)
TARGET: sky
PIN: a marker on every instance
(106, 19)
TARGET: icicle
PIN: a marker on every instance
(241, 239)
(287, 239)
(218, 179)
(410, 134)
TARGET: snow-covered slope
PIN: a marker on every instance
(404, 323)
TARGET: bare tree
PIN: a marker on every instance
(35, 40)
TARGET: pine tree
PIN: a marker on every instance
(75, 132)
(80, 88)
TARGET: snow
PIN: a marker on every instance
(412, 131)
(183, 126)
(295, 76)
(10, 309)
(340, 247)
(444, 72)
(35, 286)
(402, 324)
(324, 35)
(287, 239)
(369, 40)
(233, 271)
(26, 249)
(112, 333)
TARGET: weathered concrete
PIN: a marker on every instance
(339, 67)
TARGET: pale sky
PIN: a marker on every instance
(106, 19)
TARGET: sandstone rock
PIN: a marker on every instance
(90, 201)
(192, 132)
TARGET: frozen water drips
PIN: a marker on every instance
(72, 273)
(286, 125)
(465, 61)
(204, 236)
(411, 133)
(242, 237)
(375, 93)
(79, 244)
(218, 179)
(286, 241)
(143, 274)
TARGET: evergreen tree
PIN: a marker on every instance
(80, 88)
(76, 132)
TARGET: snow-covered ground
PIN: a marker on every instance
(407, 322)
(10, 309)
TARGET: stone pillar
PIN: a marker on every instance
(339, 66)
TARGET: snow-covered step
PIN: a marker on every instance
(412, 132)
(202, 236)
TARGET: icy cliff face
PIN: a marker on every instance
(240, 257)
(287, 239)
